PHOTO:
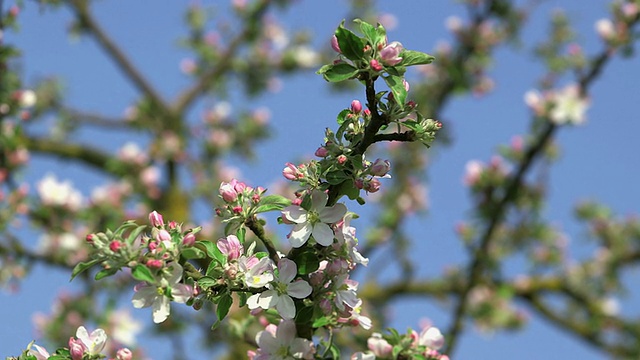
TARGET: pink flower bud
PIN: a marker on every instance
(154, 264)
(230, 246)
(322, 152)
(90, 238)
(341, 159)
(380, 167)
(367, 113)
(124, 354)
(372, 186)
(390, 54)
(189, 239)
(406, 84)
(359, 183)
(173, 224)
(375, 65)
(237, 209)
(335, 45)
(115, 245)
(228, 192)
(156, 219)
(76, 348)
(163, 235)
(356, 107)
(238, 186)
(291, 172)
(296, 201)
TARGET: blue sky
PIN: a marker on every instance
(598, 160)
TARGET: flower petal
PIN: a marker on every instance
(323, 234)
(295, 213)
(144, 297)
(176, 273)
(332, 214)
(286, 308)
(181, 293)
(161, 309)
(299, 289)
(300, 234)
(287, 270)
(319, 199)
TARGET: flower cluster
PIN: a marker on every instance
(310, 286)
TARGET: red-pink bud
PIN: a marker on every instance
(296, 201)
(156, 219)
(335, 45)
(356, 107)
(291, 172)
(115, 245)
(375, 65)
(90, 238)
(173, 224)
(359, 183)
(367, 112)
(341, 159)
(237, 209)
(322, 152)
(154, 264)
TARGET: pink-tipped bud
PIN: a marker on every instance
(356, 107)
(228, 193)
(154, 264)
(380, 167)
(124, 354)
(367, 112)
(406, 84)
(296, 201)
(335, 45)
(90, 238)
(322, 152)
(238, 186)
(375, 65)
(291, 172)
(173, 224)
(390, 54)
(189, 239)
(76, 348)
(372, 186)
(237, 209)
(341, 159)
(115, 245)
(163, 235)
(156, 219)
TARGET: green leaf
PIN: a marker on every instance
(207, 282)
(336, 177)
(142, 273)
(223, 306)
(81, 267)
(320, 322)
(349, 189)
(240, 234)
(351, 45)
(135, 233)
(193, 253)
(307, 262)
(397, 88)
(340, 72)
(212, 251)
(382, 33)
(411, 57)
(342, 116)
(272, 202)
(369, 31)
(104, 273)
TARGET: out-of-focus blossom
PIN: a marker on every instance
(569, 107)
(281, 343)
(55, 193)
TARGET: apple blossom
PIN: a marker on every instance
(94, 342)
(281, 343)
(281, 291)
(315, 221)
(39, 352)
(569, 107)
(166, 288)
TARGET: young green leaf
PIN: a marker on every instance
(411, 57)
(351, 45)
(81, 267)
(340, 72)
(397, 88)
(142, 273)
